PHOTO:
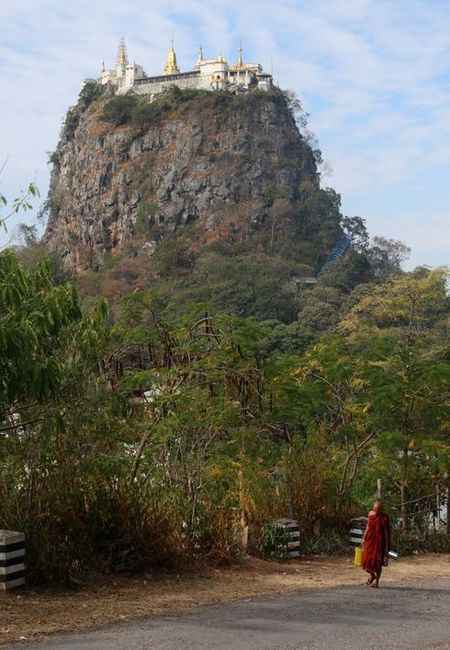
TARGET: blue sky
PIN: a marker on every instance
(373, 74)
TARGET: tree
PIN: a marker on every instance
(119, 109)
(296, 109)
(28, 234)
(90, 91)
(22, 203)
(33, 315)
(333, 389)
(320, 309)
(355, 228)
(379, 388)
(386, 257)
(399, 328)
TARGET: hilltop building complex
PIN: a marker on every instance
(208, 74)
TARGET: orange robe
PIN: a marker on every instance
(376, 542)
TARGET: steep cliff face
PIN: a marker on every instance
(219, 166)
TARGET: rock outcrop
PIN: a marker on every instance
(218, 165)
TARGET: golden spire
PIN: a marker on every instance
(171, 66)
(241, 57)
(122, 58)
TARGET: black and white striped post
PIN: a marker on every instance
(292, 532)
(357, 530)
(12, 559)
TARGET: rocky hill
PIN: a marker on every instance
(228, 165)
(206, 198)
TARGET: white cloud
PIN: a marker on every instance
(375, 74)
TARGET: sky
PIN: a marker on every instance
(374, 75)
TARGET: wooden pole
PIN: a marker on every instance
(243, 517)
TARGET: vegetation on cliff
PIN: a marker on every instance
(128, 173)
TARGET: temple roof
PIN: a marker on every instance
(171, 66)
(122, 57)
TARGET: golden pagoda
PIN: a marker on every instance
(171, 66)
(240, 63)
(122, 57)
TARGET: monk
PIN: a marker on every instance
(376, 543)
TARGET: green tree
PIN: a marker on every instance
(380, 386)
(119, 109)
(33, 315)
(401, 326)
(386, 257)
(90, 91)
(22, 203)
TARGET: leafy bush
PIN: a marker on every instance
(311, 483)
(437, 543)
(119, 109)
(71, 123)
(273, 544)
(145, 112)
(139, 111)
(409, 542)
(332, 542)
(53, 158)
(174, 255)
(91, 91)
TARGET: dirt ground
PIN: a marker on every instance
(28, 614)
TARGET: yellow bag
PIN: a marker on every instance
(358, 556)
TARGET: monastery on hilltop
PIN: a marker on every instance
(208, 74)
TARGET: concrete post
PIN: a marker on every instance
(379, 489)
(12, 559)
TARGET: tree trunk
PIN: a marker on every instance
(403, 513)
(403, 484)
(243, 518)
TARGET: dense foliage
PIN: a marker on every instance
(153, 438)
(33, 313)
(89, 93)
(134, 109)
(137, 111)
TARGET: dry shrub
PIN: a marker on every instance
(72, 529)
(150, 530)
(219, 537)
(82, 518)
(311, 486)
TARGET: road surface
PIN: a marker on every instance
(410, 616)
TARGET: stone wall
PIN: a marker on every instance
(150, 87)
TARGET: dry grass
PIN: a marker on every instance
(30, 614)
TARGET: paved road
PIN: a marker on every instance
(409, 616)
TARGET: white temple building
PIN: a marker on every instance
(208, 74)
